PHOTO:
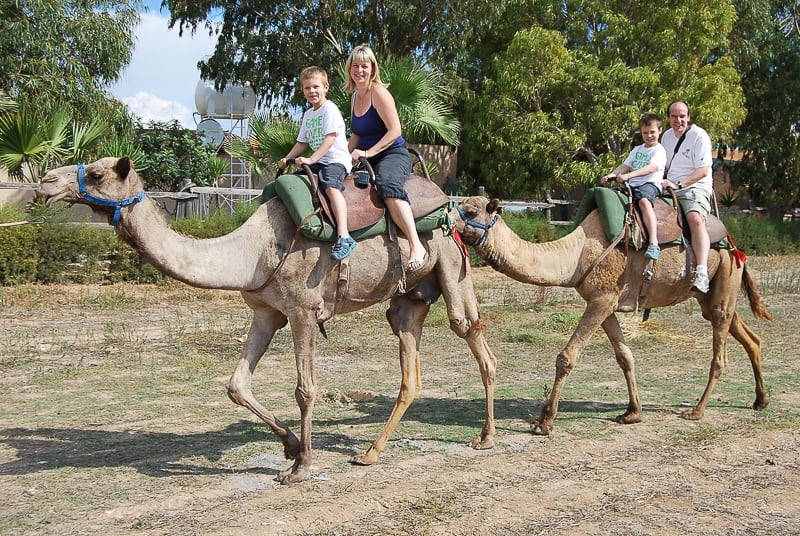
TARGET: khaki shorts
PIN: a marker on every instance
(694, 200)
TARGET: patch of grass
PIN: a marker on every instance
(433, 506)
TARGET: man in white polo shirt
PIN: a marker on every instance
(689, 161)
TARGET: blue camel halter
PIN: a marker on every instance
(118, 205)
(468, 222)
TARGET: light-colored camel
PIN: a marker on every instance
(614, 285)
(308, 289)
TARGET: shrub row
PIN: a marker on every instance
(54, 251)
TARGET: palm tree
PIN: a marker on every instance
(30, 144)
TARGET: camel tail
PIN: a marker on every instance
(749, 286)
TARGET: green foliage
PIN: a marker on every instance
(70, 253)
(266, 44)
(273, 136)
(758, 236)
(53, 251)
(18, 257)
(173, 154)
(30, 144)
(769, 63)
(219, 223)
(60, 55)
(568, 87)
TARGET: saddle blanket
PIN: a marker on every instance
(613, 204)
(296, 192)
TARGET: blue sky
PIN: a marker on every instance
(159, 82)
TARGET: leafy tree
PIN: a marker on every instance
(767, 45)
(172, 154)
(560, 104)
(59, 55)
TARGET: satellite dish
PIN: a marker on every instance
(210, 133)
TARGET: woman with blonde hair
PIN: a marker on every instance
(376, 136)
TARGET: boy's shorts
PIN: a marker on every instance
(647, 191)
(694, 200)
(330, 175)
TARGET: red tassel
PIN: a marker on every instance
(461, 246)
(737, 253)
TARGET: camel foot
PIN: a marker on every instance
(693, 414)
(361, 460)
(760, 404)
(538, 428)
(368, 458)
(629, 418)
(293, 475)
(482, 443)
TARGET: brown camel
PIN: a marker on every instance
(614, 285)
(308, 289)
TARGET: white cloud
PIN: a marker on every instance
(160, 81)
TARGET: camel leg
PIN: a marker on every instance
(406, 317)
(721, 319)
(752, 345)
(467, 324)
(595, 314)
(304, 331)
(625, 361)
(265, 323)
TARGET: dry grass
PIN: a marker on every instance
(114, 420)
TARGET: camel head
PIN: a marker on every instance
(107, 185)
(477, 216)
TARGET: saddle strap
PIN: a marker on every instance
(623, 233)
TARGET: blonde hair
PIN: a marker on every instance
(362, 53)
(312, 71)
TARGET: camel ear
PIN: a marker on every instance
(494, 206)
(123, 167)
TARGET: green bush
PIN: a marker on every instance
(757, 236)
(19, 255)
(54, 251)
(220, 222)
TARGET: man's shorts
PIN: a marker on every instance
(647, 191)
(330, 175)
(694, 200)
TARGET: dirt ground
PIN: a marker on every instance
(115, 421)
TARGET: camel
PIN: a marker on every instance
(613, 285)
(296, 283)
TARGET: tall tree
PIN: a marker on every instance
(767, 48)
(58, 55)
(266, 43)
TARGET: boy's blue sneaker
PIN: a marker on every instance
(343, 247)
(653, 252)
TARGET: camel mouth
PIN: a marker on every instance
(51, 200)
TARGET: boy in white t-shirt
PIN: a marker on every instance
(644, 169)
(322, 129)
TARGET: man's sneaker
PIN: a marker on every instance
(653, 252)
(700, 282)
(343, 247)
